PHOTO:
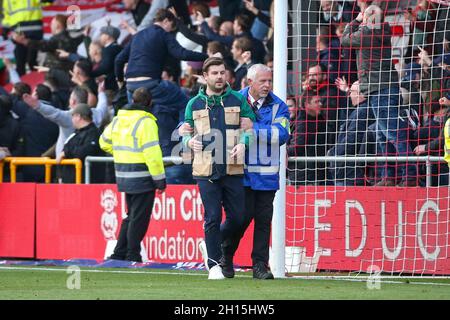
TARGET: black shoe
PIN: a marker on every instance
(260, 271)
(226, 263)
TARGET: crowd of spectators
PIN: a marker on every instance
(356, 99)
(64, 116)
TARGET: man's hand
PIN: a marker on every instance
(4, 152)
(20, 38)
(62, 54)
(101, 85)
(246, 124)
(424, 57)
(246, 57)
(420, 149)
(200, 79)
(199, 17)
(31, 101)
(75, 78)
(174, 12)
(60, 158)
(195, 145)
(342, 84)
(238, 151)
(250, 6)
(185, 129)
(444, 101)
(360, 17)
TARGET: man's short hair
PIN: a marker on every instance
(20, 88)
(254, 69)
(203, 8)
(307, 97)
(80, 94)
(244, 21)
(62, 20)
(43, 92)
(212, 61)
(84, 111)
(85, 66)
(142, 97)
(163, 14)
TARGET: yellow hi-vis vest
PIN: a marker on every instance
(132, 139)
(18, 11)
(447, 141)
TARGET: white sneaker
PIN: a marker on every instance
(215, 273)
(204, 252)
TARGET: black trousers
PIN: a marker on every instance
(134, 226)
(259, 208)
(25, 55)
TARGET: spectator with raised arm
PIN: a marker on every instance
(60, 39)
(379, 82)
(241, 28)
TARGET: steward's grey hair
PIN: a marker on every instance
(255, 69)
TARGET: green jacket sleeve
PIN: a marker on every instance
(246, 112)
(188, 118)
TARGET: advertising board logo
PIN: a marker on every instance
(109, 222)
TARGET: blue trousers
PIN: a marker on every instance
(391, 130)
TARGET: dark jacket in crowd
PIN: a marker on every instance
(106, 66)
(347, 11)
(374, 57)
(9, 131)
(147, 52)
(63, 41)
(83, 143)
(140, 11)
(39, 135)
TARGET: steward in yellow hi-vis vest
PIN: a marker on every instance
(132, 139)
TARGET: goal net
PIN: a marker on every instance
(369, 96)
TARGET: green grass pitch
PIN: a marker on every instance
(156, 284)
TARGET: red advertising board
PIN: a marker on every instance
(391, 229)
(400, 230)
(17, 220)
(77, 221)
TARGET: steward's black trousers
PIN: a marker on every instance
(259, 208)
(134, 226)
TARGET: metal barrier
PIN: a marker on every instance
(168, 161)
(9, 159)
(15, 162)
(428, 160)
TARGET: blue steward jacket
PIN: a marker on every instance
(271, 130)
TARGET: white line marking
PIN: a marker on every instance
(365, 280)
(112, 271)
